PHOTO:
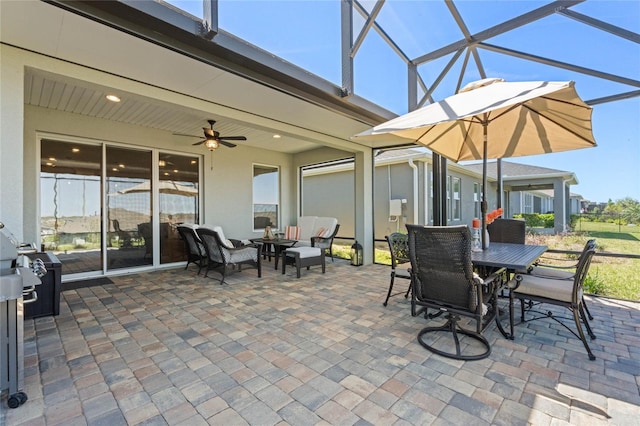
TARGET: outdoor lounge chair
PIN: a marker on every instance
(442, 278)
(536, 290)
(400, 264)
(196, 252)
(220, 254)
(507, 231)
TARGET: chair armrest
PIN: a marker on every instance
(236, 243)
(547, 265)
(496, 276)
(514, 283)
(243, 246)
(328, 239)
(315, 240)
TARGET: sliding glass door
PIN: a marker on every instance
(179, 202)
(129, 213)
(106, 208)
(70, 206)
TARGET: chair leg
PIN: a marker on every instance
(576, 318)
(406, 295)
(390, 288)
(586, 323)
(586, 309)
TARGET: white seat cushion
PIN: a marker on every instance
(220, 232)
(402, 270)
(307, 225)
(305, 252)
(545, 287)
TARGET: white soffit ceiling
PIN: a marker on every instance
(46, 29)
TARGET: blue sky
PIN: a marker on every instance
(307, 33)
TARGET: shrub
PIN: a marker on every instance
(593, 284)
(537, 220)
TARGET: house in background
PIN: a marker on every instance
(403, 191)
(523, 185)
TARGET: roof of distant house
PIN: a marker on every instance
(510, 169)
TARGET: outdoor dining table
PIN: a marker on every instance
(511, 257)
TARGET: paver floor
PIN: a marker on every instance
(172, 347)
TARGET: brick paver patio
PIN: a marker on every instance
(172, 347)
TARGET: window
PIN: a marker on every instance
(456, 198)
(266, 196)
(477, 198)
(528, 203)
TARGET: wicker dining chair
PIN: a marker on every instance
(442, 279)
(507, 231)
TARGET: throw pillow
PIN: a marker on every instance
(292, 233)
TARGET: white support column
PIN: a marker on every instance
(11, 142)
(559, 206)
(363, 208)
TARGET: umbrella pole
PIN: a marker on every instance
(483, 205)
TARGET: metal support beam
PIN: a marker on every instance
(346, 46)
(506, 26)
(604, 26)
(439, 172)
(210, 15)
(500, 191)
(558, 64)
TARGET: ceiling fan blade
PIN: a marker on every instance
(200, 143)
(184, 134)
(233, 138)
(227, 144)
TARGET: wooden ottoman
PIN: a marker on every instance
(301, 257)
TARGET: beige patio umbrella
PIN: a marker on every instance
(164, 187)
(491, 119)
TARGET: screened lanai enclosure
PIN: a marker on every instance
(295, 79)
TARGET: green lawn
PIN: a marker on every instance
(608, 276)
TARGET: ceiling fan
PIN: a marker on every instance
(212, 138)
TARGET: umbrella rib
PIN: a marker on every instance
(560, 125)
(443, 134)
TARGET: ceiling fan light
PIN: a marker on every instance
(211, 144)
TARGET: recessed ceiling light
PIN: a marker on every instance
(113, 98)
(75, 149)
(162, 163)
(115, 169)
(166, 173)
(121, 166)
(52, 159)
(175, 170)
(49, 164)
(277, 136)
(194, 161)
